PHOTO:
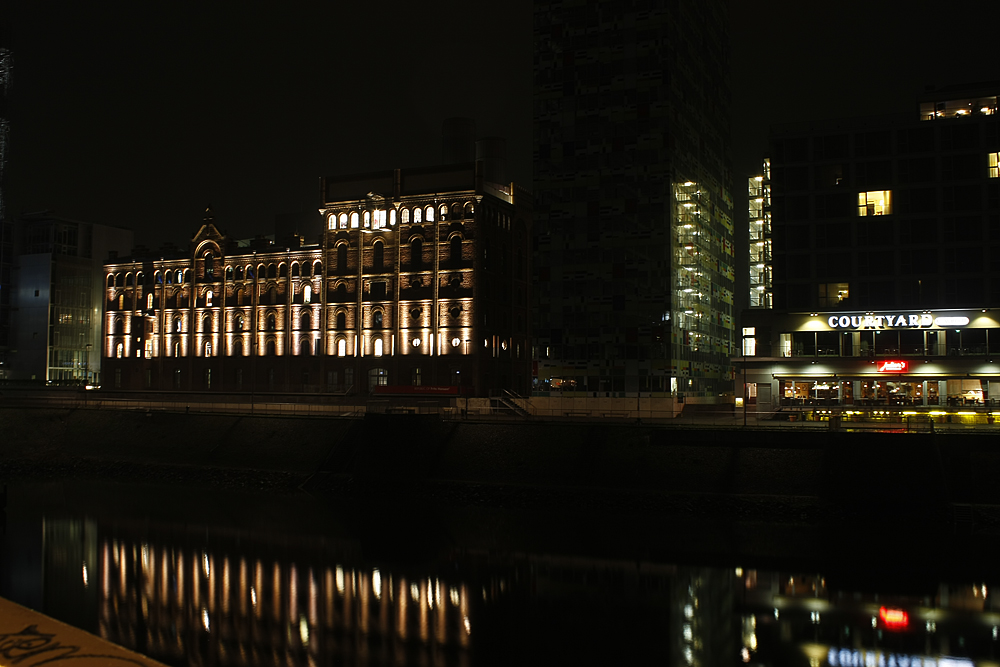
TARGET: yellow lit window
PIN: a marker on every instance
(831, 294)
(877, 202)
(994, 161)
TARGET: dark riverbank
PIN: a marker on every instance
(410, 482)
(425, 455)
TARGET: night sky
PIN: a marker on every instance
(139, 115)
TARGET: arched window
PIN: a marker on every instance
(179, 278)
(367, 219)
(239, 273)
(177, 325)
(429, 211)
(404, 216)
(206, 324)
(272, 271)
(456, 249)
(170, 277)
(237, 348)
(343, 221)
(392, 217)
(331, 222)
(208, 348)
(378, 257)
(317, 268)
(121, 301)
(416, 254)
(272, 295)
(209, 265)
(111, 280)
(377, 347)
(307, 293)
(417, 215)
(295, 270)
(208, 298)
(306, 322)
(341, 348)
(249, 272)
(342, 258)
(177, 349)
(377, 319)
(282, 270)
(269, 348)
(470, 210)
(456, 211)
(354, 220)
(341, 291)
(305, 349)
(238, 322)
(270, 322)
(149, 301)
(443, 211)
(120, 350)
(229, 273)
(341, 321)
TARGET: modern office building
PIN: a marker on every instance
(634, 209)
(58, 284)
(420, 285)
(886, 249)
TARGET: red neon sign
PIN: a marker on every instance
(893, 366)
(894, 619)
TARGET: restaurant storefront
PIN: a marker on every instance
(883, 360)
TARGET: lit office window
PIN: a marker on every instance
(994, 161)
(749, 342)
(877, 202)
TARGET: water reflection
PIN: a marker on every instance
(190, 603)
(200, 593)
(801, 619)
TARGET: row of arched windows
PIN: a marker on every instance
(380, 218)
(246, 272)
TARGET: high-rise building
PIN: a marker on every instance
(58, 282)
(419, 284)
(634, 209)
(6, 226)
(886, 249)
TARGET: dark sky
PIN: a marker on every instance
(141, 114)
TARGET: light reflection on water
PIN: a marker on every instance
(186, 592)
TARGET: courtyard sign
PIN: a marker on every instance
(890, 321)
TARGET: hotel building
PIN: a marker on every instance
(885, 239)
(419, 285)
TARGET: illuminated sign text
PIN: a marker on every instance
(890, 321)
(892, 367)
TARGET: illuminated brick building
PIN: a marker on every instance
(418, 285)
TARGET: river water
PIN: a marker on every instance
(210, 577)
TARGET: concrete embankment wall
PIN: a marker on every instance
(393, 450)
